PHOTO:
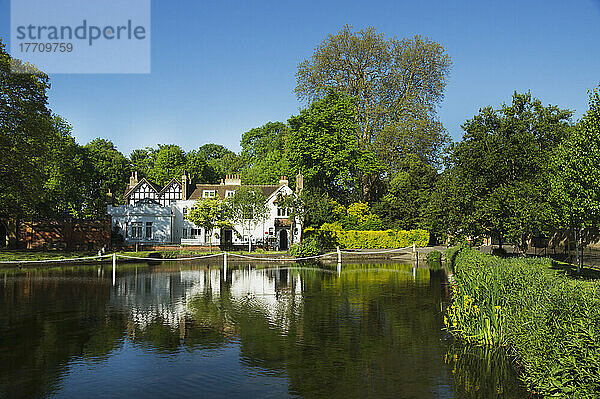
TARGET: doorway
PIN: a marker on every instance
(283, 240)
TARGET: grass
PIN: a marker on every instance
(533, 309)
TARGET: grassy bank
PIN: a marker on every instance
(549, 322)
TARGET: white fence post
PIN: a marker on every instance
(114, 270)
(225, 266)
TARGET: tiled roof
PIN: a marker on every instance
(267, 190)
(155, 186)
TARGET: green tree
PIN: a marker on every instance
(323, 145)
(501, 168)
(248, 207)
(142, 161)
(264, 154)
(397, 83)
(221, 161)
(110, 171)
(403, 206)
(575, 175)
(210, 214)
(169, 161)
(25, 131)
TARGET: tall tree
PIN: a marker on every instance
(264, 154)
(409, 191)
(575, 175)
(169, 161)
(502, 170)
(221, 161)
(110, 172)
(25, 130)
(397, 83)
(323, 145)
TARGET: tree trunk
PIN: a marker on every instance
(577, 257)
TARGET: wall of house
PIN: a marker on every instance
(124, 216)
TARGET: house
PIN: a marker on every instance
(154, 215)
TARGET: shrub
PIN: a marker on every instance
(434, 256)
(308, 247)
(369, 239)
(550, 323)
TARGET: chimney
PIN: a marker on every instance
(283, 181)
(133, 180)
(233, 180)
(109, 198)
(222, 182)
(184, 185)
(299, 182)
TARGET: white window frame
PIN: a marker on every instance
(209, 193)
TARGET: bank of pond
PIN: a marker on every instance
(531, 309)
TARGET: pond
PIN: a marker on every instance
(191, 330)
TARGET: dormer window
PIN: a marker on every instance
(209, 193)
(229, 193)
(282, 212)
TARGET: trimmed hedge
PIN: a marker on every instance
(360, 239)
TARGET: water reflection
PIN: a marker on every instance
(302, 332)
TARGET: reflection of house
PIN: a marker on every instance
(154, 215)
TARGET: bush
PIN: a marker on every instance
(550, 323)
(308, 247)
(369, 239)
(434, 256)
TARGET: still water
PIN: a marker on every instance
(190, 330)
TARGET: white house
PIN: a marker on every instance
(155, 215)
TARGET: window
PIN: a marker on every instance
(148, 230)
(194, 233)
(229, 193)
(184, 232)
(208, 193)
(185, 211)
(282, 212)
(271, 231)
(136, 230)
(207, 236)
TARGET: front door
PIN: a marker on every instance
(283, 240)
(227, 236)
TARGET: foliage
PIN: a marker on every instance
(210, 214)
(550, 323)
(357, 216)
(434, 256)
(369, 239)
(110, 171)
(248, 207)
(498, 175)
(408, 194)
(323, 145)
(308, 247)
(397, 84)
(264, 154)
(575, 178)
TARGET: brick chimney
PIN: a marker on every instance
(233, 180)
(133, 180)
(299, 182)
(283, 181)
(184, 185)
(109, 198)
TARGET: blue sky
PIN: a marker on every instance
(220, 68)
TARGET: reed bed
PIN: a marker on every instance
(547, 321)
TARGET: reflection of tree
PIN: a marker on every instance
(344, 336)
(44, 323)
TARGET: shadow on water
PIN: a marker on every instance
(268, 331)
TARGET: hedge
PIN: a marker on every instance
(369, 239)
